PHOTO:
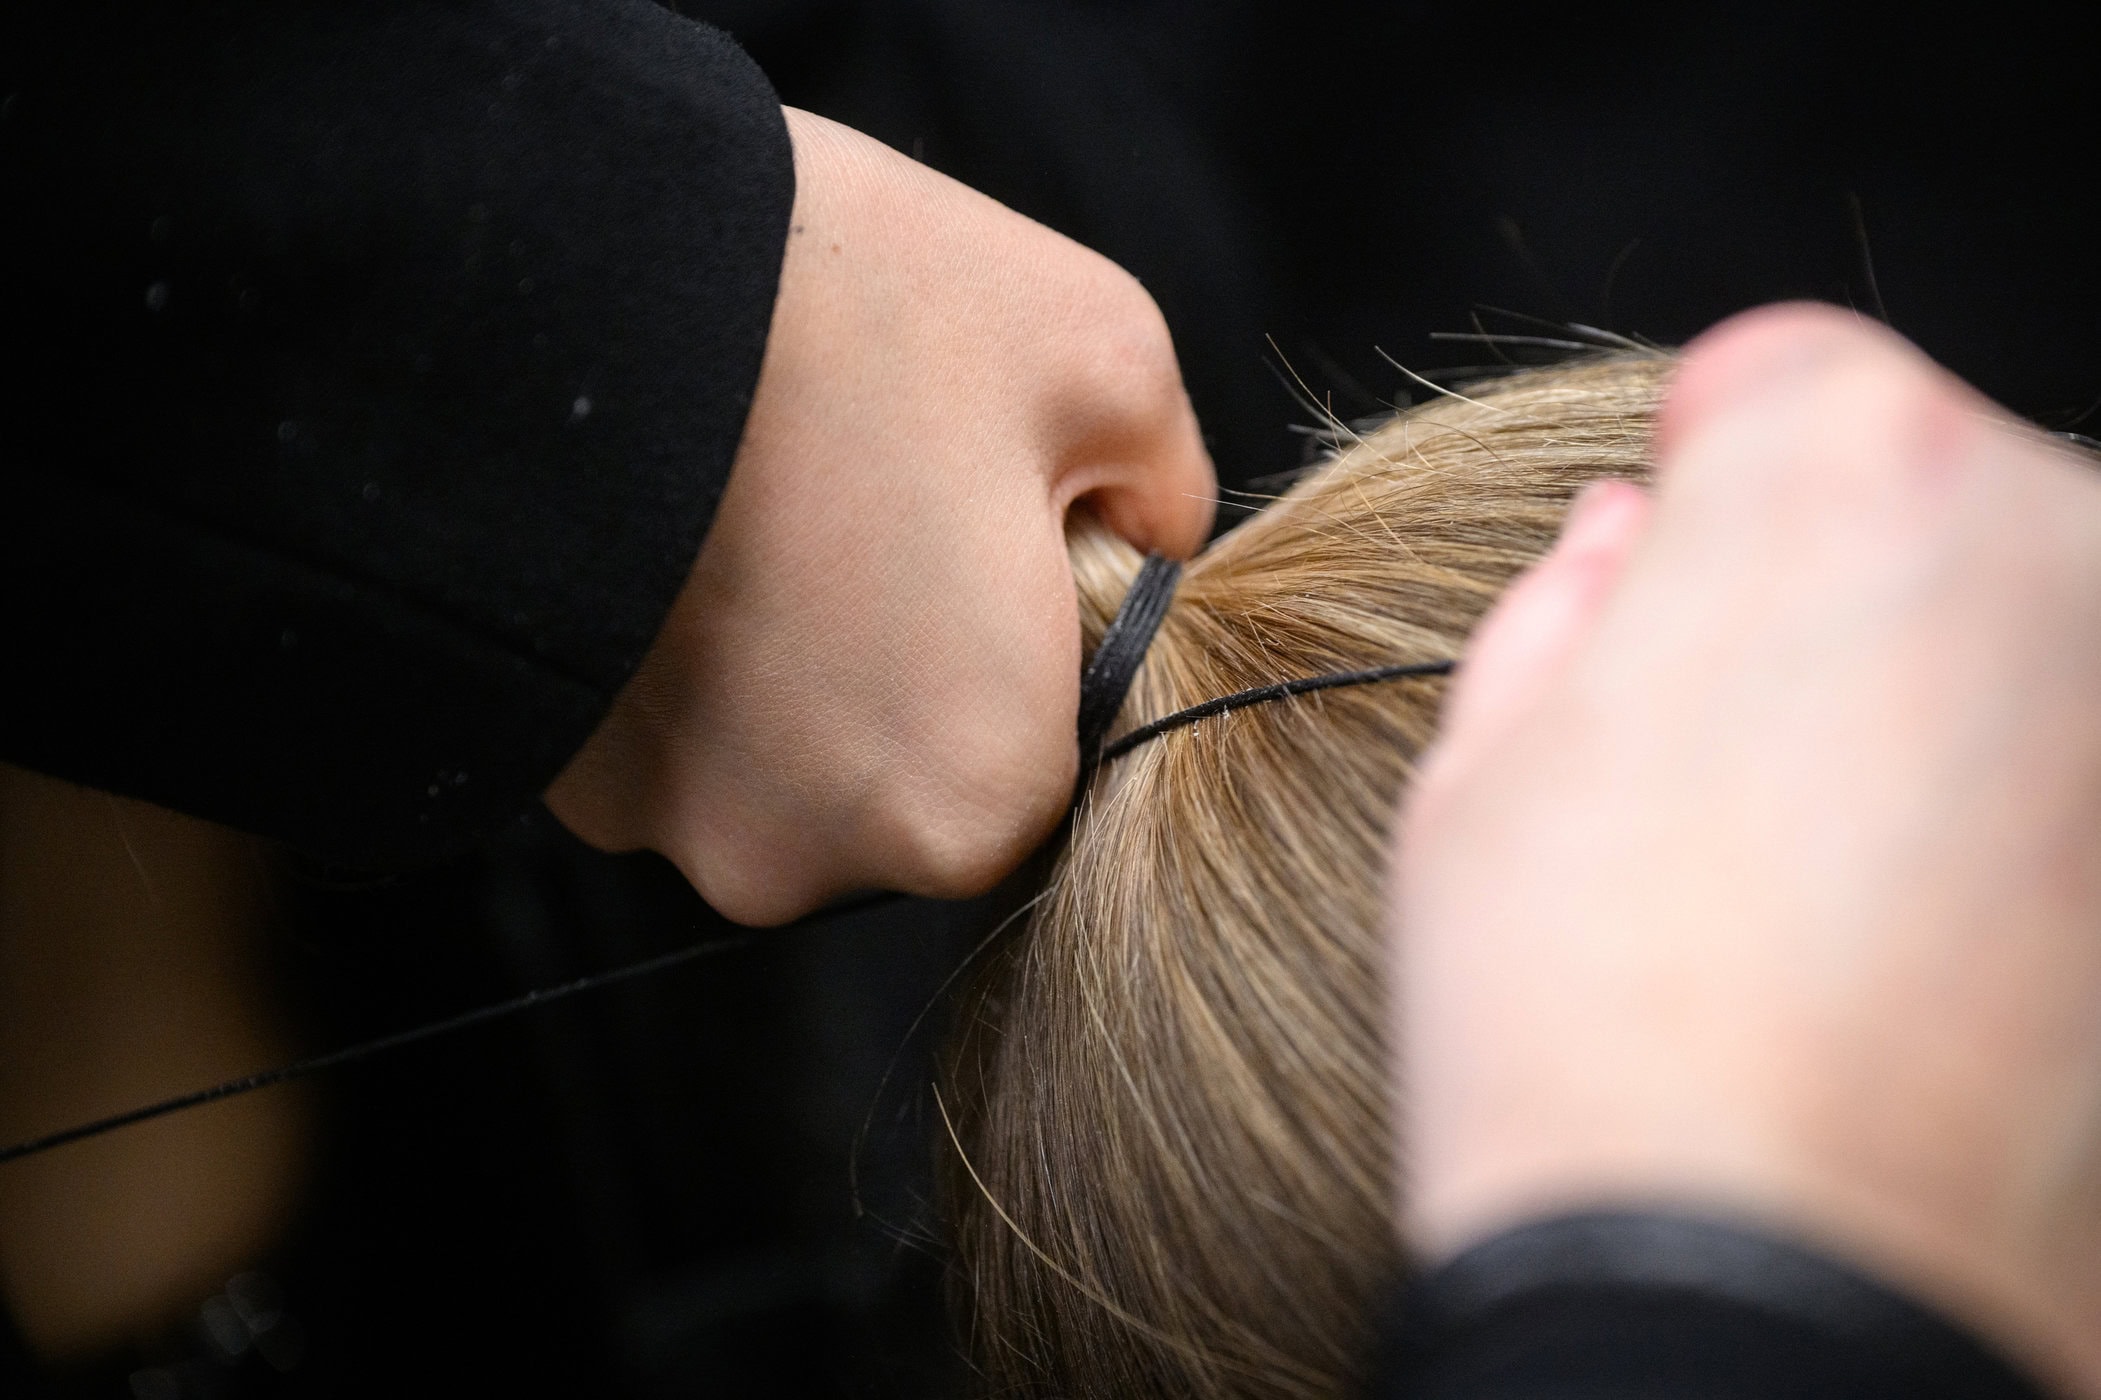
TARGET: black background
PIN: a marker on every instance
(704, 1184)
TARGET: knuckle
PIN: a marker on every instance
(1129, 370)
(947, 858)
(1866, 438)
(1914, 427)
(962, 838)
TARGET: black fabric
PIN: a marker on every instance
(1634, 1305)
(377, 368)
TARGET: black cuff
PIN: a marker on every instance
(1630, 1305)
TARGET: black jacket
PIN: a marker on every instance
(377, 370)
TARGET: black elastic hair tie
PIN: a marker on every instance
(1107, 679)
(1263, 694)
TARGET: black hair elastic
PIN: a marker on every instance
(1107, 679)
(1263, 694)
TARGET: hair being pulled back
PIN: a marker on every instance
(1171, 1172)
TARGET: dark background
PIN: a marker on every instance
(703, 1184)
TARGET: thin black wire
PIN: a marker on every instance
(1262, 694)
(299, 1069)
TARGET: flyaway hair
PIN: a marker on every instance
(1169, 1171)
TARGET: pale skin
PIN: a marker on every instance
(871, 677)
(1758, 870)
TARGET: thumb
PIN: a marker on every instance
(1528, 637)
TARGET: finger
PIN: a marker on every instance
(1130, 448)
(1800, 397)
(1162, 494)
(1748, 354)
(1795, 424)
(1529, 636)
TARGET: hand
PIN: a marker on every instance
(871, 678)
(1759, 868)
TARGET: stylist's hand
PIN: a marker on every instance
(1759, 869)
(871, 679)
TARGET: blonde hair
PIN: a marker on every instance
(1172, 1173)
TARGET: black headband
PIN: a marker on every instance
(1108, 677)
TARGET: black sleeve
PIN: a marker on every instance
(1655, 1307)
(377, 369)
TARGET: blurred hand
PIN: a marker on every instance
(872, 676)
(1759, 868)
